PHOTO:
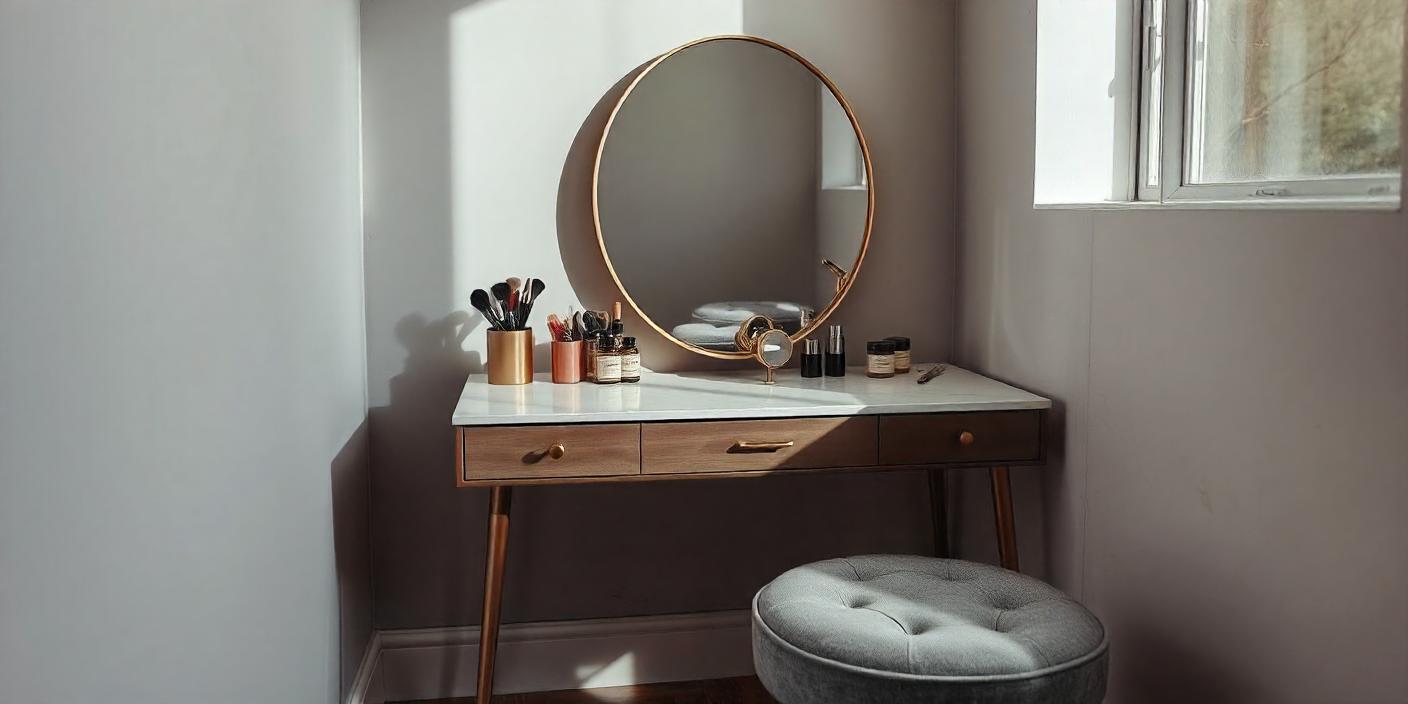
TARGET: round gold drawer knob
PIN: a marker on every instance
(557, 451)
(966, 438)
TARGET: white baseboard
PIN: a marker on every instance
(435, 663)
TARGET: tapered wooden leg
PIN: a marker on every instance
(938, 510)
(500, 499)
(1002, 510)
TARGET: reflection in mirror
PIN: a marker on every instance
(730, 173)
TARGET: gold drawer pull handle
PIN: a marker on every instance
(750, 446)
(966, 438)
(557, 451)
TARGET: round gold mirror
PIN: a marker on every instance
(732, 181)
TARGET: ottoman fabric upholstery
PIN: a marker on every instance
(895, 628)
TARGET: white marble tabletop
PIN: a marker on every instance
(733, 394)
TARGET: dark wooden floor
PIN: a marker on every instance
(738, 690)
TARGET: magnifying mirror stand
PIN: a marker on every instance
(767, 343)
(838, 272)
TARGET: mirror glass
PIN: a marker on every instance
(729, 174)
(774, 348)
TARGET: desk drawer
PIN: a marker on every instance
(527, 452)
(757, 445)
(957, 438)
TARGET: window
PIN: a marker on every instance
(1290, 100)
(842, 164)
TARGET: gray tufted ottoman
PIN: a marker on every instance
(899, 628)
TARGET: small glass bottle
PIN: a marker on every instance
(902, 358)
(630, 361)
(608, 362)
(880, 359)
(589, 349)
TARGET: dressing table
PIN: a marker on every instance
(712, 425)
(733, 198)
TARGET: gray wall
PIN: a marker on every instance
(182, 365)
(478, 146)
(1228, 488)
(894, 61)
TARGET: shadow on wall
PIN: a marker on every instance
(350, 473)
(414, 460)
(412, 451)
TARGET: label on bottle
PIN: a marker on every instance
(630, 366)
(608, 367)
(902, 360)
(881, 364)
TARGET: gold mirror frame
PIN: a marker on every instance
(844, 283)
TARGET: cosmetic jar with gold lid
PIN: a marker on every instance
(880, 359)
(902, 358)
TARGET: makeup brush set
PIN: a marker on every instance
(577, 326)
(507, 304)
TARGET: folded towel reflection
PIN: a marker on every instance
(785, 314)
(715, 324)
(708, 336)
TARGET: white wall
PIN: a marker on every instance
(1228, 485)
(481, 119)
(182, 355)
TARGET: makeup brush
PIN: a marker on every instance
(535, 287)
(590, 323)
(480, 300)
(494, 306)
(524, 304)
(500, 291)
(555, 326)
(515, 287)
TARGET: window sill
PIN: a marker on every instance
(1384, 204)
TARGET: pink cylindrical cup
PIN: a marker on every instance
(566, 362)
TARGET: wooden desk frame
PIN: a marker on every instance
(501, 502)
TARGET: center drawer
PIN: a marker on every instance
(753, 445)
(550, 451)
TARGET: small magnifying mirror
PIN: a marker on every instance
(773, 349)
(766, 342)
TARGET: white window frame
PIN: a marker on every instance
(1166, 90)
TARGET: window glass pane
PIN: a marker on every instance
(1294, 89)
(1153, 43)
